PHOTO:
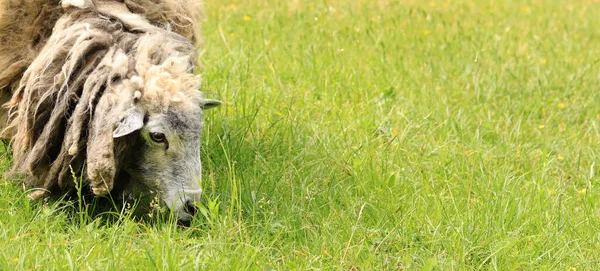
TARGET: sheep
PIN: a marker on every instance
(106, 90)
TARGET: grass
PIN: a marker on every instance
(369, 135)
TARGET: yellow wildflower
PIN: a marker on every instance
(15, 260)
(561, 105)
(426, 32)
(247, 18)
(582, 191)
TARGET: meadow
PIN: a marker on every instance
(367, 135)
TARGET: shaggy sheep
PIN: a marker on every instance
(104, 89)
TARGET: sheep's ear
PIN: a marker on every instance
(131, 122)
(209, 103)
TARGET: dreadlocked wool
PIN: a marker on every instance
(72, 73)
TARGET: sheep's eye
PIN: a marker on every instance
(158, 137)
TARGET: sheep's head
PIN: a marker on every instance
(151, 118)
(166, 157)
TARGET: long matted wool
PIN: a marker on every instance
(73, 72)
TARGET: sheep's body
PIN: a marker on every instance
(26, 25)
(75, 74)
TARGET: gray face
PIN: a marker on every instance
(167, 160)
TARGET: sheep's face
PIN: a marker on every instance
(168, 157)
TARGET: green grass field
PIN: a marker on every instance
(368, 135)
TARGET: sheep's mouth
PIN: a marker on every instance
(185, 221)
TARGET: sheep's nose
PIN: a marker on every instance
(186, 205)
(190, 207)
(190, 210)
